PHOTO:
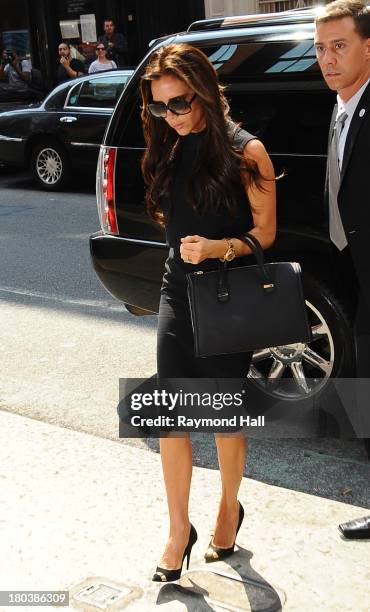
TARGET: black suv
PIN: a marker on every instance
(276, 91)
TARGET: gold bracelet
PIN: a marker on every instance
(230, 253)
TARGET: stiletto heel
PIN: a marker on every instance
(162, 574)
(216, 553)
(187, 561)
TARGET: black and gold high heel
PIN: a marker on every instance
(216, 553)
(162, 574)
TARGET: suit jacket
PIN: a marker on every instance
(354, 194)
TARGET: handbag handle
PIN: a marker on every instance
(223, 292)
(257, 250)
(255, 246)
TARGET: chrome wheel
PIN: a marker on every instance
(295, 371)
(49, 166)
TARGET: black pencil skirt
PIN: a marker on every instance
(175, 341)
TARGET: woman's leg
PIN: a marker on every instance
(231, 453)
(176, 455)
(231, 450)
(174, 360)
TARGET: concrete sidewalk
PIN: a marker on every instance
(75, 506)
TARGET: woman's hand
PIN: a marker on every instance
(195, 249)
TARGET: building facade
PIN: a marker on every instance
(223, 8)
(35, 27)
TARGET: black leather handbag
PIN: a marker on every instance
(234, 310)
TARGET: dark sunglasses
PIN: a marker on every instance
(100, 48)
(178, 106)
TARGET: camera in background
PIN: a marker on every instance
(8, 56)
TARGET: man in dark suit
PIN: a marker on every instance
(342, 41)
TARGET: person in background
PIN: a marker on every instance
(101, 63)
(16, 74)
(115, 43)
(342, 41)
(68, 68)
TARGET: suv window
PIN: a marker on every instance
(265, 60)
(102, 92)
(271, 86)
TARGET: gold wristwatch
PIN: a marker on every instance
(230, 253)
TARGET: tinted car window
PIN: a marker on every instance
(275, 91)
(132, 134)
(100, 92)
(267, 61)
(57, 100)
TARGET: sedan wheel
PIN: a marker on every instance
(50, 165)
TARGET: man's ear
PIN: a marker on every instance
(368, 48)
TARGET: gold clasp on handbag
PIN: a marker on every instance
(268, 287)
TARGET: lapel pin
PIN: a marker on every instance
(362, 112)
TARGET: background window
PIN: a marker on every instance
(14, 28)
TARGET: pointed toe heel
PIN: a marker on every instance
(216, 553)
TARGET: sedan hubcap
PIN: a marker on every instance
(49, 166)
(296, 370)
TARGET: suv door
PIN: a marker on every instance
(276, 91)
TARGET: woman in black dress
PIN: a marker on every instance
(208, 181)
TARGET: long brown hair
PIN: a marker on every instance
(219, 168)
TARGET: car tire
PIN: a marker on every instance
(367, 447)
(304, 370)
(338, 315)
(50, 165)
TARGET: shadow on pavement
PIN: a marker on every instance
(242, 588)
(99, 309)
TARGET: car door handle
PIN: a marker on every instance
(67, 119)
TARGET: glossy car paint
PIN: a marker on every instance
(130, 266)
(79, 129)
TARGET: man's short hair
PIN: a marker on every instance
(111, 20)
(347, 8)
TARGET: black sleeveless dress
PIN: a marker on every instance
(175, 345)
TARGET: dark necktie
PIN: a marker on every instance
(337, 234)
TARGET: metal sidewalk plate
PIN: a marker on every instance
(98, 593)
